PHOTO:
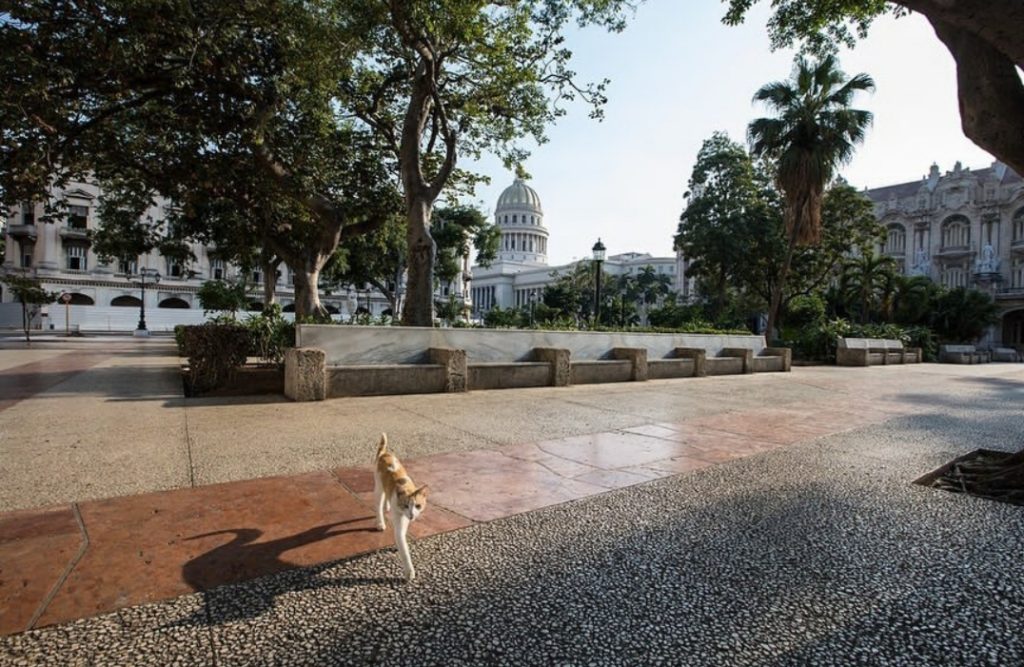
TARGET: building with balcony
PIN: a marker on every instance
(962, 228)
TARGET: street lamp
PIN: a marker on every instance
(533, 300)
(154, 278)
(598, 258)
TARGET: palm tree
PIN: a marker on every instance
(865, 281)
(814, 132)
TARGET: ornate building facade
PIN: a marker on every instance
(963, 228)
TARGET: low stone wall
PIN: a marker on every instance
(362, 361)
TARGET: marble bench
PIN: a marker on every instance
(874, 352)
(1005, 354)
(963, 354)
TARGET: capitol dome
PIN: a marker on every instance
(519, 196)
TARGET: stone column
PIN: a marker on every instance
(456, 368)
(558, 358)
(305, 374)
(637, 355)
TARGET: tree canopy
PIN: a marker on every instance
(983, 36)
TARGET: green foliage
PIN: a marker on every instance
(269, 335)
(821, 25)
(179, 338)
(502, 318)
(817, 341)
(215, 352)
(29, 292)
(456, 230)
(961, 315)
(219, 295)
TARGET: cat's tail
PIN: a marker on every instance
(382, 446)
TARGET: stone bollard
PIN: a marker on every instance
(746, 354)
(305, 374)
(699, 356)
(456, 367)
(558, 358)
(637, 355)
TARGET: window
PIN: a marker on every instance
(26, 259)
(257, 277)
(515, 218)
(954, 276)
(1017, 274)
(956, 232)
(78, 217)
(896, 240)
(28, 213)
(77, 260)
(128, 267)
(217, 269)
(174, 268)
(1018, 225)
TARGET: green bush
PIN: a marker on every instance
(818, 342)
(179, 339)
(215, 352)
(269, 335)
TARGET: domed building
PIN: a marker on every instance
(521, 272)
(520, 217)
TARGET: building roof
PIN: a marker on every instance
(518, 196)
(998, 173)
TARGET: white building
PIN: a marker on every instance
(106, 296)
(964, 228)
(522, 269)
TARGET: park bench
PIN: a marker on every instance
(1005, 354)
(874, 352)
(963, 354)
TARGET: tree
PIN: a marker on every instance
(444, 78)
(983, 36)
(725, 200)
(814, 132)
(864, 280)
(30, 294)
(458, 230)
(227, 110)
(961, 315)
(221, 295)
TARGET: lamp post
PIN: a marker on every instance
(598, 258)
(533, 301)
(154, 277)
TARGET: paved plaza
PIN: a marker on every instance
(736, 520)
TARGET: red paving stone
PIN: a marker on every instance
(160, 545)
(24, 381)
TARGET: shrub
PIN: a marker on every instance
(215, 352)
(179, 339)
(269, 335)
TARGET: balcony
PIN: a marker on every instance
(955, 251)
(22, 232)
(76, 235)
(1010, 294)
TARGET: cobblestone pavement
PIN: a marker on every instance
(818, 552)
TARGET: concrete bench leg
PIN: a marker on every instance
(305, 374)
(743, 353)
(699, 356)
(456, 367)
(561, 368)
(637, 355)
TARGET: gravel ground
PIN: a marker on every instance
(820, 554)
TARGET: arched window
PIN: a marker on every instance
(956, 232)
(126, 301)
(1018, 225)
(896, 240)
(173, 302)
(78, 299)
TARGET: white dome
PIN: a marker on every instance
(518, 196)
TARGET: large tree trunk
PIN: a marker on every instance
(775, 303)
(418, 310)
(269, 269)
(307, 290)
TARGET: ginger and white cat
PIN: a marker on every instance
(394, 490)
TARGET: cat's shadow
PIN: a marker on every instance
(234, 576)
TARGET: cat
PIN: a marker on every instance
(394, 490)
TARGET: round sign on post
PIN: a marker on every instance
(66, 299)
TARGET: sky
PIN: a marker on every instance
(678, 75)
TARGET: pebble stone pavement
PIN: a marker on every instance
(818, 554)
